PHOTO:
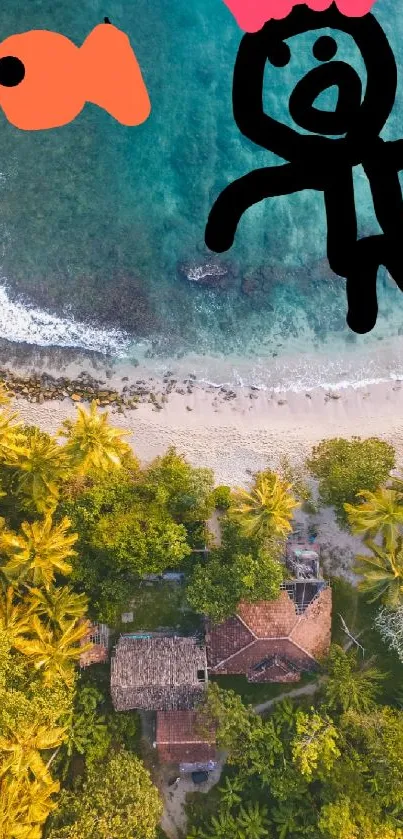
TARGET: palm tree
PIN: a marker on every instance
(380, 512)
(12, 440)
(41, 468)
(25, 806)
(4, 394)
(230, 792)
(58, 605)
(20, 750)
(252, 822)
(92, 443)
(39, 551)
(382, 573)
(351, 685)
(267, 510)
(54, 652)
(223, 826)
(14, 617)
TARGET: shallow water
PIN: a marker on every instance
(104, 225)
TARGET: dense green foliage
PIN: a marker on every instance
(133, 523)
(222, 497)
(242, 568)
(346, 467)
(56, 727)
(307, 771)
(118, 800)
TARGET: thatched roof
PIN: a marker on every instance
(158, 674)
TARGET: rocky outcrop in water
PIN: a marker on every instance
(217, 275)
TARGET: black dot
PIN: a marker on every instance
(12, 71)
(324, 48)
(279, 54)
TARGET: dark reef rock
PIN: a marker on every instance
(217, 275)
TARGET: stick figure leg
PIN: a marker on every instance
(367, 256)
(341, 221)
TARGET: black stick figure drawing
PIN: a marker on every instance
(320, 162)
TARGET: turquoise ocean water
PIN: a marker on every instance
(102, 226)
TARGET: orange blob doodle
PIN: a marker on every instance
(45, 79)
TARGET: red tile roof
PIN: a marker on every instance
(271, 629)
(178, 740)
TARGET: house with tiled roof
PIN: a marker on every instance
(276, 640)
(180, 740)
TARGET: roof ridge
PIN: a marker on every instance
(247, 626)
(303, 650)
(224, 660)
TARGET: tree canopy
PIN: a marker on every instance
(117, 800)
(345, 468)
(242, 568)
(315, 772)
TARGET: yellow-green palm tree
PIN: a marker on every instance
(21, 747)
(58, 605)
(41, 468)
(380, 512)
(38, 552)
(12, 440)
(14, 617)
(54, 652)
(267, 510)
(382, 573)
(25, 806)
(92, 443)
(4, 394)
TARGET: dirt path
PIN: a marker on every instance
(174, 818)
(305, 690)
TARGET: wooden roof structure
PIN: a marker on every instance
(158, 673)
(98, 636)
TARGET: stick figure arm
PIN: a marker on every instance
(395, 153)
(236, 198)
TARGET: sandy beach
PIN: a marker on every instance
(242, 430)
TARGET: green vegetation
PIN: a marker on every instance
(221, 496)
(242, 568)
(345, 468)
(117, 800)
(305, 771)
(265, 511)
(81, 525)
(57, 728)
(352, 683)
(380, 512)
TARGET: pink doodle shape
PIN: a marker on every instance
(252, 14)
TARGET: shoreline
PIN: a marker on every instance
(234, 430)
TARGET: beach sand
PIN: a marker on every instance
(240, 431)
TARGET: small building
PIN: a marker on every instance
(179, 741)
(274, 640)
(98, 636)
(302, 560)
(158, 673)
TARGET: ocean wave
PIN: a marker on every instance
(25, 324)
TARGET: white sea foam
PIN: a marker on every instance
(21, 323)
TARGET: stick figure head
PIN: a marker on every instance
(359, 118)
